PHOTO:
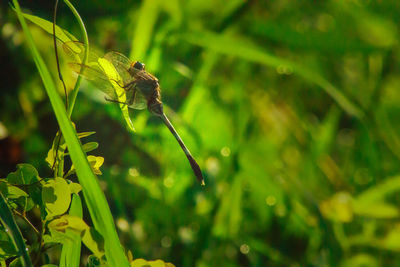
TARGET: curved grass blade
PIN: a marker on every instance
(143, 33)
(61, 34)
(94, 197)
(75, 91)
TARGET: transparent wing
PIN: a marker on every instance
(136, 99)
(121, 64)
(93, 73)
(74, 51)
(96, 76)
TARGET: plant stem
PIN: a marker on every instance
(74, 92)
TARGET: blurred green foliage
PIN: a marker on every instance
(290, 107)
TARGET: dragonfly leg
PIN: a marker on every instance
(117, 82)
(115, 101)
(128, 85)
(134, 91)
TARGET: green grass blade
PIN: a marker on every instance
(61, 34)
(94, 197)
(71, 250)
(9, 223)
(235, 47)
(144, 29)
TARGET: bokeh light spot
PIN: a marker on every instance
(123, 224)
(225, 151)
(134, 172)
(212, 165)
(169, 182)
(166, 242)
(244, 249)
(270, 200)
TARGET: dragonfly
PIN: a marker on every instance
(141, 88)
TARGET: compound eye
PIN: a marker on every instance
(138, 65)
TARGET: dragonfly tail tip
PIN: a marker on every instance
(196, 169)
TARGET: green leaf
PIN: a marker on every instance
(25, 174)
(371, 202)
(11, 192)
(75, 188)
(90, 237)
(378, 210)
(85, 134)
(156, 263)
(15, 192)
(61, 34)
(361, 259)
(56, 196)
(71, 250)
(391, 241)
(18, 198)
(90, 146)
(96, 163)
(380, 191)
(57, 149)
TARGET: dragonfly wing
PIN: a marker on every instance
(136, 99)
(96, 76)
(75, 51)
(121, 64)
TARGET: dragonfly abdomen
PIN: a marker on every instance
(154, 103)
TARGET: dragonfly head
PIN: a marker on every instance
(138, 65)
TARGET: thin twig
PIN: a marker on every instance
(56, 52)
(27, 221)
(60, 77)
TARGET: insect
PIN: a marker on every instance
(141, 88)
